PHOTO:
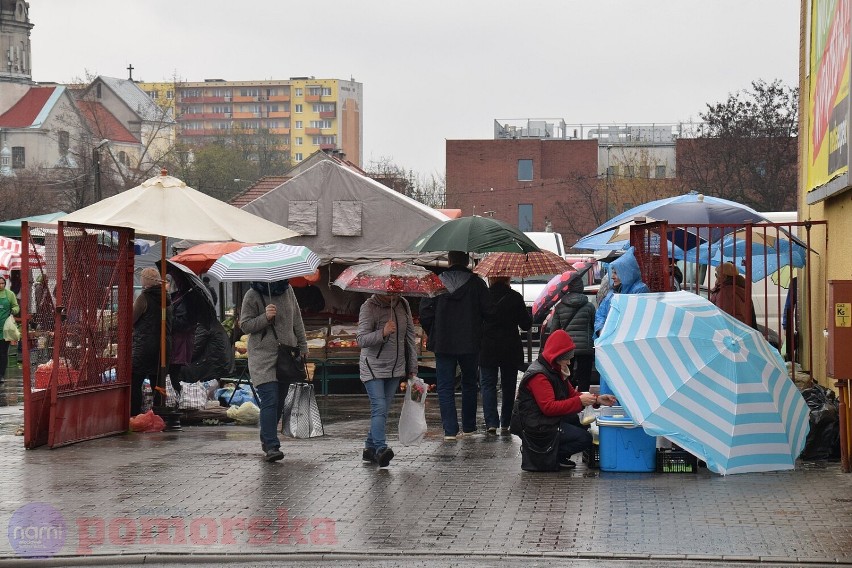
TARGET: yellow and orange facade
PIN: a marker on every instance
(309, 114)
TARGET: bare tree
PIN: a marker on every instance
(429, 190)
(747, 151)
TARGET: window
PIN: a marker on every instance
(249, 92)
(298, 108)
(628, 171)
(170, 95)
(525, 216)
(297, 156)
(644, 171)
(612, 171)
(323, 140)
(627, 206)
(660, 172)
(326, 91)
(323, 107)
(271, 108)
(525, 171)
(298, 124)
(18, 156)
(64, 142)
(152, 94)
(314, 91)
(299, 92)
(122, 158)
(321, 124)
(98, 91)
(299, 141)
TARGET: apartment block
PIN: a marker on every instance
(310, 114)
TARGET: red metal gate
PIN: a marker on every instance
(77, 332)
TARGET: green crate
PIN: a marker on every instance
(676, 461)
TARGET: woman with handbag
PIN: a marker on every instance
(270, 315)
(8, 307)
(388, 355)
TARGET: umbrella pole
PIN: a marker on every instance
(161, 374)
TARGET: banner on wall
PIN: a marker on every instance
(828, 84)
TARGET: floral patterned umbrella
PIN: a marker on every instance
(391, 277)
(555, 289)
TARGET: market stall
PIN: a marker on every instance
(346, 219)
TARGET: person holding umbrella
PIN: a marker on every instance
(453, 323)
(502, 352)
(576, 315)
(270, 315)
(388, 355)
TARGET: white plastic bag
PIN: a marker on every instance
(412, 419)
(246, 413)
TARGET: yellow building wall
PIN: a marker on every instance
(835, 252)
(306, 148)
(161, 89)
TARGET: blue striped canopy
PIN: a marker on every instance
(685, 370)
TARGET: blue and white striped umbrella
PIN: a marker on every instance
(685, 370)
(265, 263)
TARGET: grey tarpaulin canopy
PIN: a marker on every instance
(347, 218)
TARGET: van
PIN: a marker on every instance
(548, 241)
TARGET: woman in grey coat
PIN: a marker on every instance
(576, 315)
(258, 314)
(388, 354)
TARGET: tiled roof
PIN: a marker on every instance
(260, 188)
(103, 123)
(137, 99)
(25, 112)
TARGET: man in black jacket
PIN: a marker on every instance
(453, 323)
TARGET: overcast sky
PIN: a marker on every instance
(440, 69)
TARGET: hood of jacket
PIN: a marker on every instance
(263, 288)
(627, 269)
(455, 277)
(559, 343)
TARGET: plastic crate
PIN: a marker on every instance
(592, 457)
(676, 461)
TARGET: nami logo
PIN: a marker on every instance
(37, 530)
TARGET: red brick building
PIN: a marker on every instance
(527, 183)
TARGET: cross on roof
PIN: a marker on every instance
(130, 72)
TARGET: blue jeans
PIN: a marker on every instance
(271, 401)
(508, 383)
(445, 375)
(381, 393)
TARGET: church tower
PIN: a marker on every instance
(15, 52)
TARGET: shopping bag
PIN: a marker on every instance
(10, 330)
(301, 417)
(412, 419)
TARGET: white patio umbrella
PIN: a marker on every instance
(166, 206)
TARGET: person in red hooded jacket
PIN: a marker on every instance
(547, 403)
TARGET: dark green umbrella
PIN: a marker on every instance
(473, 234)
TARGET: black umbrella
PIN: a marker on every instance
(197, 296)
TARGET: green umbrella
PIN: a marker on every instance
(473, 234)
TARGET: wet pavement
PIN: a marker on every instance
(204, 495)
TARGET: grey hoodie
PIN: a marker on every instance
(384, 357)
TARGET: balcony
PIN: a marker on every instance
(280, 114)
(327, 146)
(193, 132)
(279, 130)
(190, 116)
(328, 114)
(313, 98)
(279, 98)
(309, 131)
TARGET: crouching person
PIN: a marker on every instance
(545, 414)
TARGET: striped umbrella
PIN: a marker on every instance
(685, 370)
(11, 251)
(265, 263)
